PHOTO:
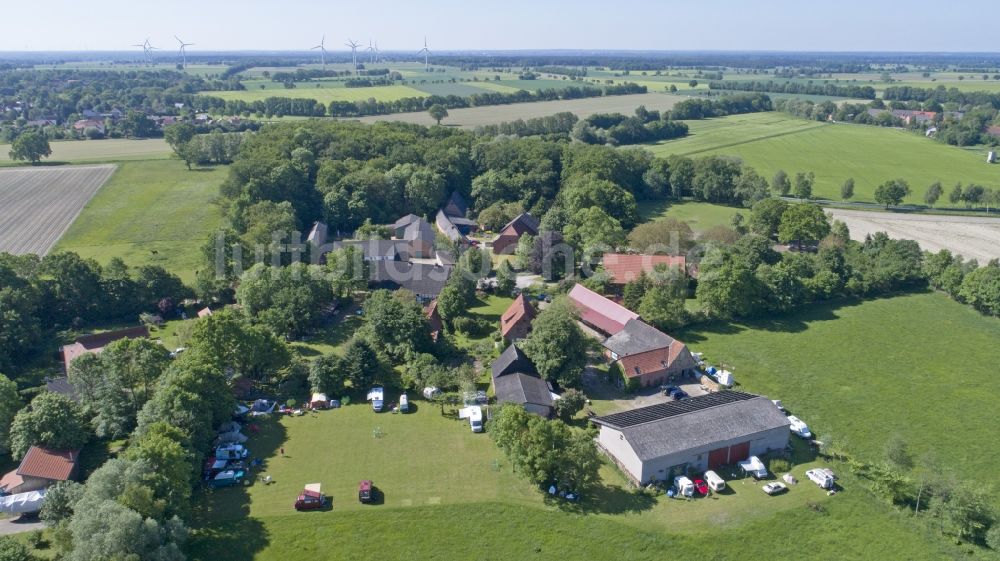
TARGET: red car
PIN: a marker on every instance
(312, 498)
(701, 487)
(366, 492)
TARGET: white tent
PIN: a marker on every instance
(22, 502)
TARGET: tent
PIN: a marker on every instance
(22, 502)
(319, 401)
(234, 437)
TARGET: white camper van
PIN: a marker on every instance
(715, 482)
(474, 414)
(684, 486)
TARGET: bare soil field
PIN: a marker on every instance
(493, 114)
(973, 237)
(38, 204)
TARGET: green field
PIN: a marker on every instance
(151, 206)
(921, 366)
(447, 492)
(699, 216)
(94, 151)
(325, 94)
(834, 152)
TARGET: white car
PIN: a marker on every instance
(821, 477)
(774, 488)
(754, 467)
(684, 486)
(799, 427)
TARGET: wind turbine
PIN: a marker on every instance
(371, 52)
(145, 54)
(426, 52)
(322, 50)
(183, 52)
(354, 52)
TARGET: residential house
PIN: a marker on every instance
(646, 356)
(95, 343)
(659, 442)
(40, 468)
(510, 234)
(598, 312)
(422, 279)
(448, 228)
(624, 268)
(373, 250)
(516, 380)
(515, 323)
(84, 124)
(419, 238)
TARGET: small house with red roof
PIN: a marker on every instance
(40, 468)
(515, 323)
(646, 356)
(623, 268)
(510, 234)
(598, 312)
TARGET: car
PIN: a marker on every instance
(231, 452)
(226, 478)
(311, 498)
(715, 482)
(701, 487)
(366, 491)
(798, 427)
(820, 477)
(774, 488)
(670, 390)
(754, 467)
(684, 486)
(679, 395)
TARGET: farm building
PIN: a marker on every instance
(623, 268)
(318, 235)
(373, 250)
(95, 343)
(510, 234)
(418, 240)
(598, 312)
(661, 441)
(448, 228)
(515, 323)
(399, 226)
(40, 468)
(647, 356)
(422, 279)
(515, 380)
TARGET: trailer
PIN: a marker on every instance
(22, 503)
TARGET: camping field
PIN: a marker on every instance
(834, 152)
(38, 204)
(845, 369)
(150, 212)
(91, 151)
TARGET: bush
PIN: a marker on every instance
(780, 465)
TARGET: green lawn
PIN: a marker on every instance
(700, 216)
(489, 308)
(920, 366)
(93, 151)
(150, 212)
(871, 155)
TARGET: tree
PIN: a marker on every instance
(395, 323)
(993, 537)
(765, 216)
(327, 375)
(437, 112)
(803, 222)
(50, 420)
(570, 403)
(666, 235)
(229, 342)
(955, 195)
(30, 146)
(506, 278)
(556, 345)
(594, 232)
(981, 289)
(10, 403)
(138, 125)
(370, 231)
(60, 502)
(780, 183)
(165, 447)
(847, 189)
(933, 193)
(13, 550)
(360, 363)
(106, 529)
(178, 136)
(663, 307)
(892, 192)
(804, 184)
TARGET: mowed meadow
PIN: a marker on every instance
(834, 152)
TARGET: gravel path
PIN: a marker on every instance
(973, 237)
(9, 526)
(38, 204)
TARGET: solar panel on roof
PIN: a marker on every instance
(671, 409)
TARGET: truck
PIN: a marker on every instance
(375, 396)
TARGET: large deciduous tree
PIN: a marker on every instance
(10, 403)
(803, 222)
(30, 146)
(50, 420)
(892, 192)
(556, 345)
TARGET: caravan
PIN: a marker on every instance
(474, 414)
(376, 397)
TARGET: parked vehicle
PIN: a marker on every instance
(227, 478)
(669, 390)
(754, 467)
(311, 498)
(684, 486)
(366, 491)
(715, 482)
(375, 396)
(431, 392)
(476, 419)
(231, 452)
(798, 427)
(774, 488)
(820, 477)
(404, 403)
(701, 487)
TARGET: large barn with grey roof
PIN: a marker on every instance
(664, 440)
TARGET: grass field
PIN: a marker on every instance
(921, 366)
(91, 151)
(325, 95)
(834, 152)
(38, 204)
(700, 216)
(147, 207)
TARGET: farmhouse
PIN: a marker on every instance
(661, 441)
(95, 343)
(510, 234)
(515, 323)
(418, 237)
(598, 312)
(40, 468)
(451, 220)
(623, 268)
(373, 250)
(515, 380)
(423, 279)
(647, 356)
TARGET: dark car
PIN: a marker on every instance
(670, 390)
(679, 395)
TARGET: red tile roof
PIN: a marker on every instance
(11, 480)
(650, 362)
(56, 465)
(95, 343)
(204, 312)
(434, 319)
(520, 310)
(598, 311)
(625, 268)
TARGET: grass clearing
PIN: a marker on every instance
(92, 151)
(152, 212)
(844, 368)
(700, 216)
(871, 155)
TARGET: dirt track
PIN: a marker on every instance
(38, 204)
(973, 237)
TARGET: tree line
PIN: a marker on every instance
(826, 88)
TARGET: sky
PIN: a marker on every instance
(675, 25)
